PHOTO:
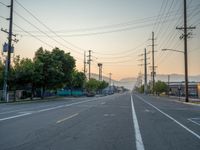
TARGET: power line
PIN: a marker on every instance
(47, 26)
(161, 8)
(42, 31)
(3, 4)
(170, 37)
(111, 31)
(122, 52)
(3, 17)
(163, 55)
(128, 23)
(161, 18)
(163, 32)
(33, 36)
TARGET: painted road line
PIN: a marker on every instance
(64, 119)
(22, 109)
(138, 137)
(170, 117)
(16, 116)
(192, 120)
(48, 109)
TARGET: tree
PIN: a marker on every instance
(92, 85)
(54, 69)
(160, 87)
(102, 85)
(78, 80)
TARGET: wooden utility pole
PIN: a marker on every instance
(185, 36)
(89, 63)
(153, 66)
(7, 65)
(145, 71)
(84, 63)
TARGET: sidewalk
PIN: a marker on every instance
(182, 99)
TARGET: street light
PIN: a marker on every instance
(186, 72)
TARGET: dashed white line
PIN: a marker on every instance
(64, 119)
(47, 109)
(16, 116)
(170, 117)
(138, 137)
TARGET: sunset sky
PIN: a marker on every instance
(117, 31)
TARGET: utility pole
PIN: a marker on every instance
(153, 66)
(100, 71)
(89, 63)
(185, 36)
(145, 71)
(7, 65)
(110, 78)
(84, 63)
(168, 84)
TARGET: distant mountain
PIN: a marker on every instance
(164, 77)
(177, 78)
(130, 81)
(126, 82)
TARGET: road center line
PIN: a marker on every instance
(16, 116)
(138, 138)
(48, 109)
(64, 119)
(168, 116)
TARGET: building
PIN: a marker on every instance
(178, 89)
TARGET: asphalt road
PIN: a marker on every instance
(117, 122)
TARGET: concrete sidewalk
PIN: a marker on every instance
(182, 99)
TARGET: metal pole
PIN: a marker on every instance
(168, 85)
(7, 65)
(185, 51)
(89, 61)
(145, 71)
(84, 63)
(153, 69)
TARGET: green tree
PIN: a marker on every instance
(160, 87)
(92, 85)
(22, 74)
(78, 80)
(66, 65)
(102, 85)
(54, 69)
(48, 70)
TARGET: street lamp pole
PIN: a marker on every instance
(186, 69)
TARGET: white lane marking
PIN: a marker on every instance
(16, 116)
(183, 126)
(23, 109)
(64, 119)
(109, 115)
(138, 137)
(192, 120)
(47, 109)
(7, 112)
(103, 103)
